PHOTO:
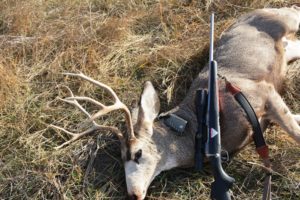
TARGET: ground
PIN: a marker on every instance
(123, 44)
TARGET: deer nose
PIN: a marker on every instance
(134, 197)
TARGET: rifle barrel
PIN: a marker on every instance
(211, 44)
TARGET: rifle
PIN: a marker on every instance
(208, 112)
(220, 187)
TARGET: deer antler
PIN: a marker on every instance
(118, 105)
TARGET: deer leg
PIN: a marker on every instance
(278, 112)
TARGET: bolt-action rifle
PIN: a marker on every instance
(208, 109)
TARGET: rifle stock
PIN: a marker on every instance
(220, 187)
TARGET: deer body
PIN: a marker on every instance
(252, 54)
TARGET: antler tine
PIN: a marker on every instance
(102, 85)
(118, 105)
(73, 101)
(74, 136)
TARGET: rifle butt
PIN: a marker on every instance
(223, 182)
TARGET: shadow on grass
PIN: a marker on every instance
(107, 175)
(185, 76)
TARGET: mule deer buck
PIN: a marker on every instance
(253, 54)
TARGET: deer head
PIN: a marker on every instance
(141, 156)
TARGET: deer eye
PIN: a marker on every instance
(137, 156)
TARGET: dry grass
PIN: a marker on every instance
(121, 43)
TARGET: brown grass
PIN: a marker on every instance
(123, 44)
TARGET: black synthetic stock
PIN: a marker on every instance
(220, 187)
(200, 138)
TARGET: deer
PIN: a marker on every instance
(252, 53)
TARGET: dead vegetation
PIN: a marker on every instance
(123, 44)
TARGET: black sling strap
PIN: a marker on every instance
(259, 141)
(258, 137)
(257, 132)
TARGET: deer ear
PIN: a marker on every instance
(149, 104)
(134, 111)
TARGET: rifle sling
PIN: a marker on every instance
(259, 141)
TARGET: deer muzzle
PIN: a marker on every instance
(138, 178)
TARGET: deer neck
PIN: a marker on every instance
(176, 151)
